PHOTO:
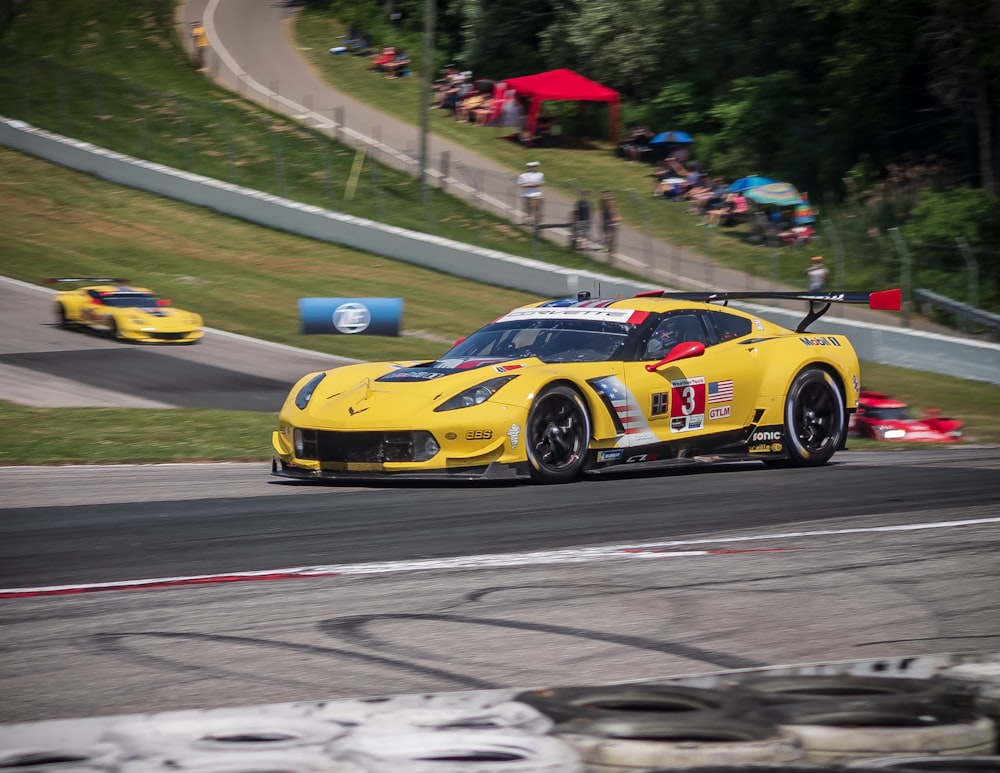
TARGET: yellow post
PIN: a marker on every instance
(352, 182)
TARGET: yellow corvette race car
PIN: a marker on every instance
(124, 312)
(579, 386)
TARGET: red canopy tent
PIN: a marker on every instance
(563, 85)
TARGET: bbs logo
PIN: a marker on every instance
(479, 434)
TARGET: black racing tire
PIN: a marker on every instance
(562, 704)
(62, 318)
(557, 435)
(775, 690)
(113, 333)
(815, 418)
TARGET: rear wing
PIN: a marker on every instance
(97, 280)
(819, 303)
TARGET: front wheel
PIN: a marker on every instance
(558, 434)
(815, 418)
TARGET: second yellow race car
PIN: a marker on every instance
(124, 312)
(579, 386)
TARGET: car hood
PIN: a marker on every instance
(153, 314)
(391, 395)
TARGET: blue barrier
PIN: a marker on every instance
(351, 316)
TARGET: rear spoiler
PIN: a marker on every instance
(819, 303)
(94, 279)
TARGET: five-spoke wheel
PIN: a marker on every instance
(558, 434)
(814, 418)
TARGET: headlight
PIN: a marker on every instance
(306, 392)
(476, 395)
(891, 434)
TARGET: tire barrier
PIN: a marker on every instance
(770, 689)
(242, 762)
(770, 767)
(504, 716)
(841, 731)
(393, 750)
(934, 712)
(932, 763)
(979, 685)
(630, 743)
(565, 703)
(173, 736)
(58, 760)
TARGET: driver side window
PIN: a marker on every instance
(673, 329)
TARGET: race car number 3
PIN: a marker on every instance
(687, 404)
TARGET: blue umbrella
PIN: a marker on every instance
(662, 137)
(746, 183)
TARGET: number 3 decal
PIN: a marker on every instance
(687, 404)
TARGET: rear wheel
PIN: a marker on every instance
(815, 418)
(558, 434)
(113, 330)
(62, 320)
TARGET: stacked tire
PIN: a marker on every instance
(785, 722)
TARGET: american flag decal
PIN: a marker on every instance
(720, 391)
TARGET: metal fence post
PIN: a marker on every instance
(905, 275)
(973, 265)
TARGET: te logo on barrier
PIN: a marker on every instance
(351, 316)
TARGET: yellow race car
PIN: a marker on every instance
(579, 386)
(124, 312)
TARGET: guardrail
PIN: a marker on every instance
(969, 359)
(962, 311)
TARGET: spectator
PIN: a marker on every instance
(398, 66)
(481, 115)
(581, 222)
(817, 274)
(739, 209)
(378, 63)
(200, 40)
(609, 222)
(531, 181)
(462, 86)
(463, 111)
(637, 143)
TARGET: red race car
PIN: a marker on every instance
(881, 417)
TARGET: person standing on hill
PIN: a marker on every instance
(609, 222)
(531, 181)
(200, 40)
(581, 222)
(817, 274)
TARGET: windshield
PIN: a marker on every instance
(129, 300)
(888, 414)
(550, 340)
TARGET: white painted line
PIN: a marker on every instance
(487, 561)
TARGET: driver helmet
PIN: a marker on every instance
(663, 339)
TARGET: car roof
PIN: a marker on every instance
(117, 289)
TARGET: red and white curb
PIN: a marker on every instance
(649, 550)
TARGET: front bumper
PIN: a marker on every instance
(494, 471)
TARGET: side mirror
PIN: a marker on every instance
(683, 351)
